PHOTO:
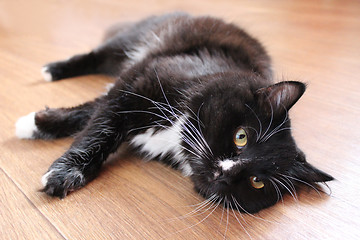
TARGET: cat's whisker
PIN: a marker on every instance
(286, 118)
(171, 108)
(143, 97)
(184, 106)
(166, 99)
(285, 187)
(330, 191)
(291, 185)
(198, 134)
(147, 127)
(278, 192)
(188, 136)
(200, 211)
(201, 206)
(237, 205)
(204, 146)
(206, 217)
(227, 216)
(193, 145)
(271, 120)
(160, 107)
(189, 139)
(198, 117)
(242, 226)
(199, 126)
(282, 184)
(189, 151)
(273, 133)
(193, 133)
(162, 90)
(198, 153)
(257, 134)
(258, 119)
(196, 140)
(222, 214)
(189, 142)
(306, 183)
(238, 212)
(146, 112)
(163, 107)
(191, 205)
(187, 228)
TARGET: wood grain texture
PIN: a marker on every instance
(317, 42)
(20, 218)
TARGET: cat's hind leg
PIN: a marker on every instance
(78, 65)
(108, 57)
(105, 59)
(55, 122)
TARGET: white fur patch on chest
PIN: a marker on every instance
(163, 142)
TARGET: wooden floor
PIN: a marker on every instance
(313, 41)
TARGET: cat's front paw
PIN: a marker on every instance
(62, 179)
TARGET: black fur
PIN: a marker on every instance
(213, 72)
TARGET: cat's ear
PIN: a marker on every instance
(308, 173)
(281, 96)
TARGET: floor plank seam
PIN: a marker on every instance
(32, 204)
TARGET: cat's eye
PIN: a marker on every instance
(240, 138)
(256, 182)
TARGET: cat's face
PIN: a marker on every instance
(251, 159)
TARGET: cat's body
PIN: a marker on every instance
(195, 93)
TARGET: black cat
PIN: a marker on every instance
(193, 92)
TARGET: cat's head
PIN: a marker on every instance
(247, 156)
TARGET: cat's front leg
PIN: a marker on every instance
(82, 162)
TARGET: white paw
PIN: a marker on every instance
(46, 74)
(25, 126)
(108, 87)
(45, 178)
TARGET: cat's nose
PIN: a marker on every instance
(223, 178)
